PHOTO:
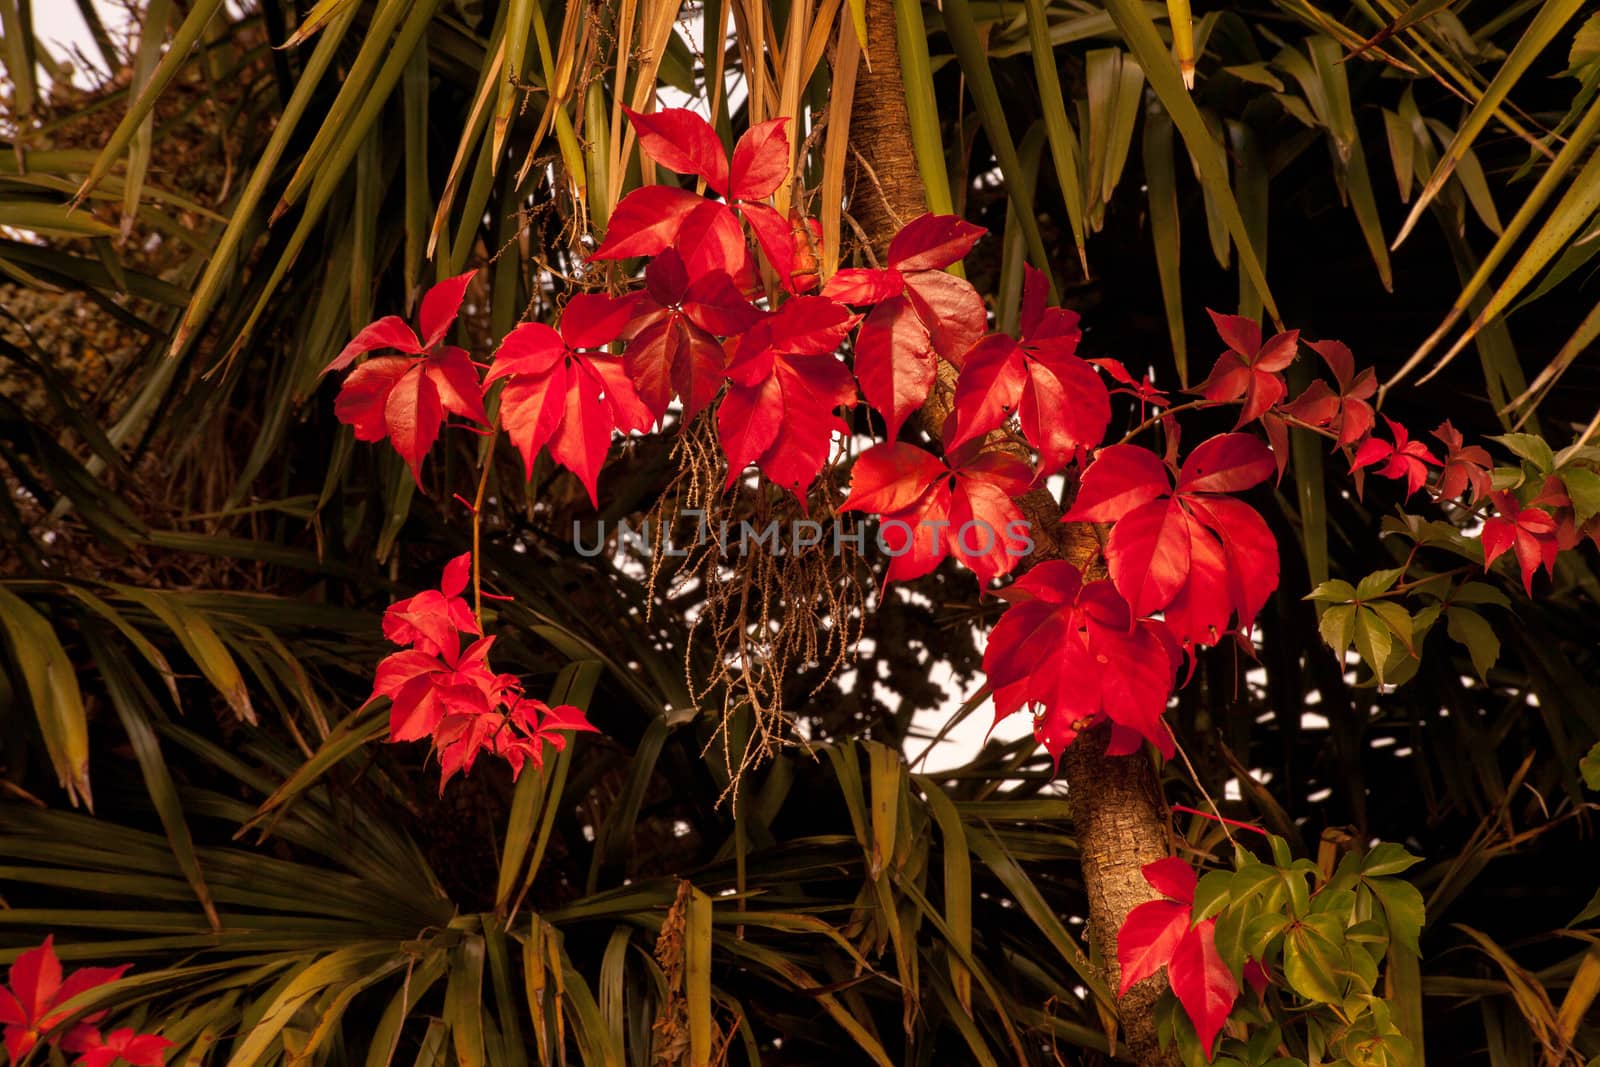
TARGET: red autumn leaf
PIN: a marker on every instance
(1172, 878)
(405, 398)
(929, 510)
(708, 233)
(681, 140)
(775, 236)
(1355, 418)
(432, 619)
(1404, 459)
(932, 242)
(519, 736)
(424, 688)
(951, 309)
(646, 221)
(1164, 538)
(1076, 653)
(894, 361)
(712, 240)
(30, 1002)
(564, 399)
(785, 382)
(440, 306)
(1466, 467)
(1528, 532)
(412, 414)
(859, 285)
(1317, 405)
(1062, 405)
(1249, 371)
(1227, 463)
(672, 348)
(1158, 934)
(1123, 478)
(1143, 389)
(761, 160)
(1148, 938)
(1250, 558)
(139, 1050)
(1204, 984)
(388, 332)
(922, 313)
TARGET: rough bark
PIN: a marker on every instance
(885, 189)
(1117, 816)
(1118, 813)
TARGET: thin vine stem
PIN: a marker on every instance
(477, 529)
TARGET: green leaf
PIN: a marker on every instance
(1063, 140)
(1589, 767)
(1551, 17)
(1212, 894)
(1260, 930)
(1590, 910)
(200, 640)
(1374, 640)
(464, 1007)
(1338, 627)
(53, 688)
(1162, 196)
(1139, 31)
(1403, 905)
(1530, 447)
(916, 71)
(52, 220)
(1396, 618)
(1467, 627)
(963, 34)
(1583, 489)
(1313, 957)
(1377, 583)
(1387, 858)
(1333, 591)
(1479, 593)
(1256, 74)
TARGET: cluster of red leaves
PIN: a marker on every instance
(31, 1012)
(1077, 651)
(405, 397)
(1535, 532)
(1163, 933)
(1190, 564)
(440, 690)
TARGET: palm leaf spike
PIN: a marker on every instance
(1182, 22)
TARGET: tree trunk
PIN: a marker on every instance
(1117, 815)
(1118, 811)
(883, 184)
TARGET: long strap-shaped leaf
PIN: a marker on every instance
(177, 55)
(242, 220)
(53, 687)
(963, 31)
(1576, 147)
(1581, 201)
(916, 69)
(1139, 31)
(1063, 141)
(1552, 16)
